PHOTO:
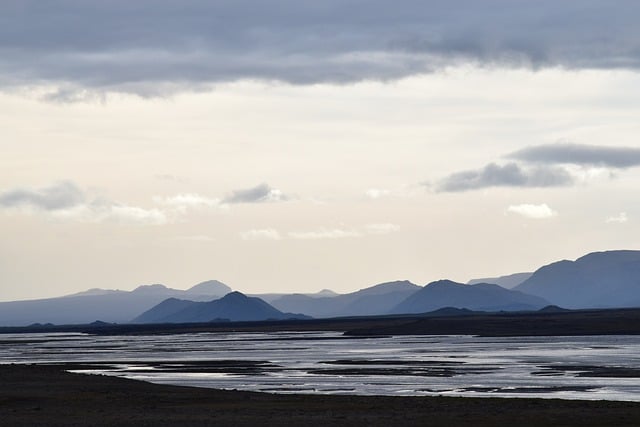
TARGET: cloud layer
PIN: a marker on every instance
(508, 175)
(580, 154)
(149, 46)
(61, 195)
(542, 166)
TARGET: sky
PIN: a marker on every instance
(287, 146)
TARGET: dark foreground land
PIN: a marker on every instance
(48, 396)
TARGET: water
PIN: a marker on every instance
(594, 367)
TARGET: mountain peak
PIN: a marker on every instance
(235, 306)
(387, 287)
(234, 296)
(444, 282)
(151, 288)
(482, 297)
(596, 280)
(621, 255)
(209, 287)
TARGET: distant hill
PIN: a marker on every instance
(205, 290)
(479, 297)
(166, 308)
(378, 299)
(599, 279)
(107, 305)
(275, 296)
(507, 282)
(234, 306)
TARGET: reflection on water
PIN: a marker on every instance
(597, 367)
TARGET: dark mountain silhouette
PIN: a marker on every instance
(271, 297)
(599, 279)
(553, 309)
(165, 309)
(451, 311)
(234, 306)
(107, 305)
(378, 299)
(479, 297)
(508, 282)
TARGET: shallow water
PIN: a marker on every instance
(594, 367)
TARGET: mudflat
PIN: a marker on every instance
(36, 395)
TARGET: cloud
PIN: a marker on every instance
(195, 238)
(320, 234)
(188, 201)
(508, 175)
(261, 234)
(151, 47)
(382, 228)
(533, 211)
(61, 195)
(65, 200)
(129, 214)
(106, 211)
(259, 194)
(621, 218)
(579, 154)
(335, 233)
(339, 233)
(376, 193)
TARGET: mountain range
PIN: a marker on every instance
(100, 304)
(479, 297)
(509, 282)
(234, 307)
(378, 299)
(597, 280)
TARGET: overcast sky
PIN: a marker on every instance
(288, 146)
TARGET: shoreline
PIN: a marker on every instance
(49, 396)
(619, 321)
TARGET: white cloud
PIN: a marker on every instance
(621, 218)
(106, 211)
(533, 211)
(188, 201)
(261, 234)
(195, 238)
(326, 233)
(65, 200)
(376, 193)
(382, 228)
(335, 233)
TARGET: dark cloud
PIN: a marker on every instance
(154, 46)
(508, 175)
(58, 196)
(259, 194)
(588, 155)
